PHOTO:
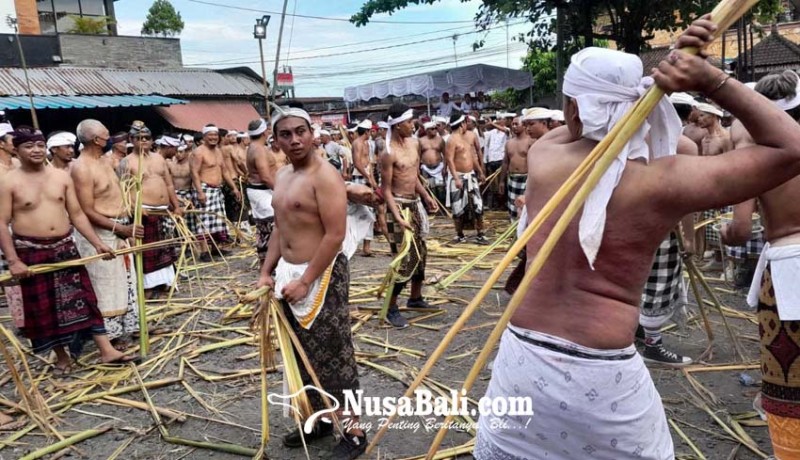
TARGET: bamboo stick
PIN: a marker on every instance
(724, 14)
(144, 341)
(52, 448)
(686, 439)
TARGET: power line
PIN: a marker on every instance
(323, 18)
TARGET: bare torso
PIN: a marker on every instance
(432, 150)
(716, 142)
(695, 133)
(405, 167)
(39, 202)
(106, 188)
(155, 177)
(463, 157)
(361, 157)
(181, 174)
(258, 155)
(517, 151)
(211, 165)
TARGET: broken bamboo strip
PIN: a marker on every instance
(170, 413)
(55, 447)
(686, 439)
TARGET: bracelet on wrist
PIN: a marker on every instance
(720, 84)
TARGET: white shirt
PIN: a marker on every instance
(495, 148)
(446, 108)
(465, 107)
(335, 151)
(481, 140)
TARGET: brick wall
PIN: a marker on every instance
(27, 17)
(120, 52)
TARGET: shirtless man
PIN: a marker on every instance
(402, 190)
(310, 213)
(692, 130)
(61, 147)
(158, 196)
(228, 149)
(474, 140)
(464, 179)
(240, 153)
(717, 139)
(514, 173)
(433, 167)
(7, 159)
(537, 122)
(119, 148)
(208, 172)
(281, 159)
(362, 173)
(261, 167)
(39, 205)
(571, 306)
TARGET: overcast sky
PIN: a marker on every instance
(222, 36)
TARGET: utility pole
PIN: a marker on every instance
(278, 52)
(12, 22)
(455, 55)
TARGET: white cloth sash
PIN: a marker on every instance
(434, 173)
(306, 310)
(260, 203)
(784, 264)
(360, 220)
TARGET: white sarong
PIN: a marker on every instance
(360, 224)
(469, 195)
(784, 262)
(434, 175)
(306, 310)
(587, 403)
(260, 202)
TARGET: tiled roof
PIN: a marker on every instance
(651, 58)
(775, 50)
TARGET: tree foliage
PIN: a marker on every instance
(630, 23)
(162, 19)
(89, 25)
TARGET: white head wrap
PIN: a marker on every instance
(160, 140)
(366, 124)
(241, 135)
(317, 135)
(280, 113)
(324, 132)
(557, 115)
(682, 98)
(127, 146)
(60, 140)
(708, 108)
(606, 84)
(536, 113)
(188, 138)
(429, 125)
(505, 115)
(182, 147)
(459, 120)
(233, 132)
(210, 129)
(383, 124)
(258, 131)
(5, 128)
(407, 115)
(170, 141)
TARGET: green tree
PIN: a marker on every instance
(162, 19)
(630, 23)
(89, 25)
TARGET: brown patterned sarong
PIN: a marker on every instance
(780, 355)
(264, 229)
(328, 342)
(413, 266)
(154, 231)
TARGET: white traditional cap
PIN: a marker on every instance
(5, 128)
(61, 139)
(429, 124)
(260, 130)
(188, 138)
(182, 147)
(241, 135)
(708, 108)
(233, 132)
(557, 115)
(324, 132)
(317, 135)
(160, 140)
(366, 124)
(536, 113)
(210, 129)
(683, 98)
(283, 112)
(353, 129)
(127, 146)
(383, 125)
(505, 115)
(170, 141)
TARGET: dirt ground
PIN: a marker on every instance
(215, 393)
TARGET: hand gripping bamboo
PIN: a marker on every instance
(724, 15)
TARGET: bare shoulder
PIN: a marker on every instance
(686, 146)
(553, 139)
(740, 136)
(328, 176)
(60, 176)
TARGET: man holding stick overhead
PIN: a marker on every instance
(60, 307)
(101, 198)
(311, 273)
(569, 346)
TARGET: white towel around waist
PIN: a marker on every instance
(784, 264)
(260, 203)
(306, 310)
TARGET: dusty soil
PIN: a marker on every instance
(223, 405)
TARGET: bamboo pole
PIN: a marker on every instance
(144, 339)
(52, 448)
(723, 15)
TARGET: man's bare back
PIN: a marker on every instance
(260, 163)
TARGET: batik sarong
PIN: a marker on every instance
(515, 187)
(157, 263)
(328, 342)
(260, 197)
(113, 283)
(413, 265)
(211, 219)
(664, 285)
(60, 306)
(587, 403)
(468, 198)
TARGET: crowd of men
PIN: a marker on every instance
(315, 193)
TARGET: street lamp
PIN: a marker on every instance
(260, 33)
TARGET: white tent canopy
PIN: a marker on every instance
(459, 80)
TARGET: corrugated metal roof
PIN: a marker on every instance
(74, 81)
(84, 102)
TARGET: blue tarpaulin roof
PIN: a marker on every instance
(85, 102)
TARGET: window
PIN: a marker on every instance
(54, 15)
(93, 8)
(47, 20)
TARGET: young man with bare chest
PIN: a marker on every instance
(261, 167)
(514, 175)
(40, 206)
(208, 173)
(717, 139)
(363, 175)
(61, 146)
(311, 275)
(463, 185)
(403, 191)
(158, 197)
(432, 165)
(100, 196)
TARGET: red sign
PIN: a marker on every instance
(285, 79)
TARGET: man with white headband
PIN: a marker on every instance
(169, 147)
(556, 119)
(208, 174)
(158, 197)
(403, 191)
(100, 195)
(362, 175)
(61, 146)
(717, 140)
(463, 182)
(570, 344)
(537, 121)
(233, 205)
(514, 172)
(774, 287)
(181, 173)
(188, 139)
(311, 274)
(433, 166)
(261, 167)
